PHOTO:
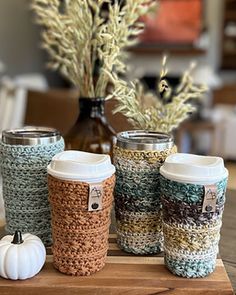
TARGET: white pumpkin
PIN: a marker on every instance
(21, 256)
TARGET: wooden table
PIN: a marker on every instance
(123, 274)
(137, 275)
(228, 236)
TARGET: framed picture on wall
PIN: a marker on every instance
(174, 22)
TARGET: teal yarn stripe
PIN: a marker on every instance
(190, 268)
(25, 192)
(189, 193)
(138, 184)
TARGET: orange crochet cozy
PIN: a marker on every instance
(80, 237)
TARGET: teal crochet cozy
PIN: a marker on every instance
(25, 192)
(191, 236)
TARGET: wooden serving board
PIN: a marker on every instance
(123, 274)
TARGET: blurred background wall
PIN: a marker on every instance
(20, 50)
(19, 39)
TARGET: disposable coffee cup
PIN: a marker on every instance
(193, 196)
(80, 193)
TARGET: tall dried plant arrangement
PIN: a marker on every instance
(169, 107)
(81, 37)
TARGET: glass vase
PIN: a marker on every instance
(91, 132)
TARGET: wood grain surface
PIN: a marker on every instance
(123, 274)
(228, 236)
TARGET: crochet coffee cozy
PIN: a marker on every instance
(137, 199)
(80, 237)
(25, 192)
(191, 237)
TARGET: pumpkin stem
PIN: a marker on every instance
(17, 239)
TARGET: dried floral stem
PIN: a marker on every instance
(171, 106)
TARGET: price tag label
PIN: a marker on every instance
(95, 197)
(210, 198)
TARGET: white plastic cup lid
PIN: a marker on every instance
(81, 166)
(189, 168)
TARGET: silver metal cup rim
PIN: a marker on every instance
(30, 135)
(144, 140)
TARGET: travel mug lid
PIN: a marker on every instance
(144, 140)
(81, 166)
(194, 169)
(30, 135)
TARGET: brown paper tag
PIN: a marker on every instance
(210, 198)
(95, 197)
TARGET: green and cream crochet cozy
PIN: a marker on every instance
(191, 237)
(25, 192)
(137, 199)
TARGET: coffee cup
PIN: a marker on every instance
(193, 196)
(80, 193)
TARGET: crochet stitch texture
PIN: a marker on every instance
(25, 192)
(137, 199)
(191, 237)
(80, 237)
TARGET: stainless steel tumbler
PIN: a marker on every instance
(24, 156)
(138, 156)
